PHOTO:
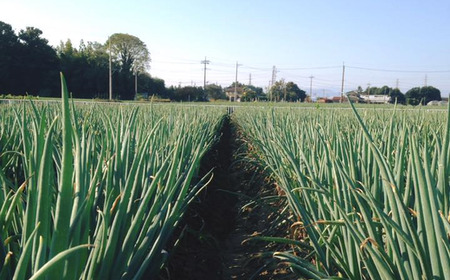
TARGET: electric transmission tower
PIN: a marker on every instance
(274, 74)
(310, 86)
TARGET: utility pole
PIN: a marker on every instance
(236, 81)
(310, 86)
(368, 89)
(204, 72)
(135, 84)
(426, 80)
(342, 84)
(250, 79)
(110, 70)
(274, 79)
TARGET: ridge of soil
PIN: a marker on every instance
(239, 203)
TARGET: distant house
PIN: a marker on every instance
(232, 95)
(376, 99)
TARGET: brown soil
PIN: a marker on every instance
(216, 232)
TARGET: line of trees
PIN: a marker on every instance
(27, 62)
(414, 96)
(422, 95)
(287, 91)
(29, 65)
(87, 68)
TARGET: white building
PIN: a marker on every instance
(376, 99)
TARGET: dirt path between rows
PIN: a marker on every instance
(216, 232)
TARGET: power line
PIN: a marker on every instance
(311, 68)
(399, 71)
(173, 62)
(300, 74)
(287, 68)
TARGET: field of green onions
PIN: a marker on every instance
(369, 189)
(96, 191)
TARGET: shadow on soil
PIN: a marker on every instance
(239, 203)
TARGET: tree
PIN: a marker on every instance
(397, 96)
(9, 44)
(422, 95)
(27, 63)
(249, 94)
(86, 68)
(188, 93)
(287, 91)
(384, 90)
(413, 96)
(40, 64)
(277, 90)
(294, 93)
(431, 93)
(132, 57)
(98, 68)
(151, 86)
(359, 91)
(245, 92)
(371, 91)
(215, 92)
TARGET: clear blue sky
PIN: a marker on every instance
(409, 40)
